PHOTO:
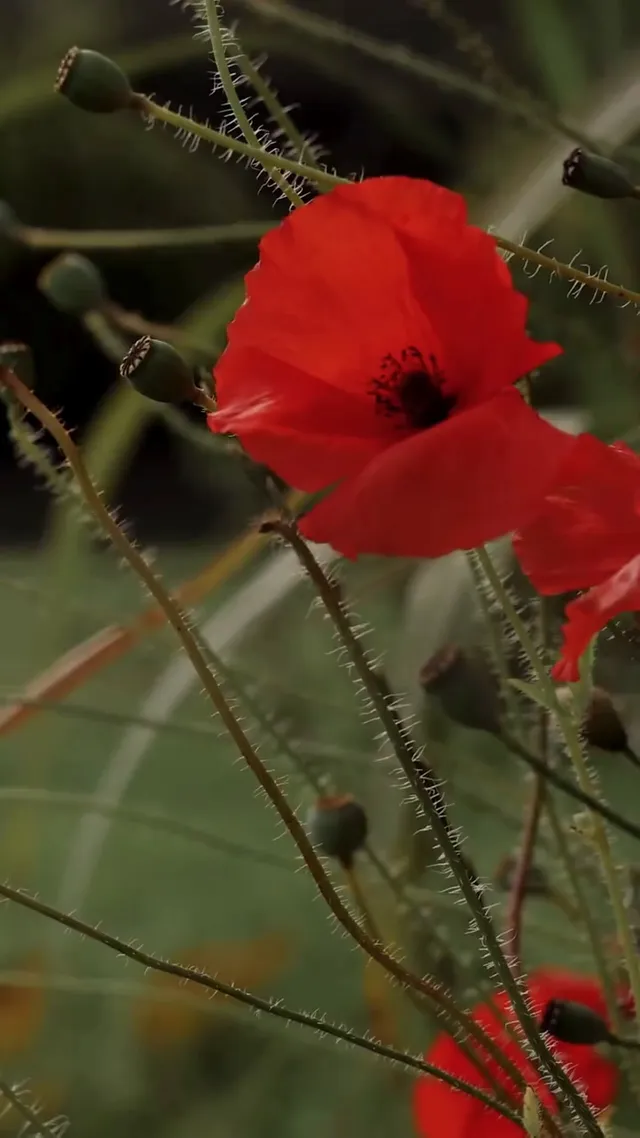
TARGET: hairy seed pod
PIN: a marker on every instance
(338, 826)
(600, 177)
(94, 82)
(73, 284)
(158, 371)
(570, 1022)
(465, 687)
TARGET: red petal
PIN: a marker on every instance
(307, 431)
(378, 266)
(469, 480)
(462, 284)
(590, 523)
(590, 613)
(332, 295)
(441, 1112)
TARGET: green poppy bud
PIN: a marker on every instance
(569, 1022)
(18, 359)
(159, 372)
(592, 174)
(465, 687)
(73, 284)
(338, 826)
(94, 82)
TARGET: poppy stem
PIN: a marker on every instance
(175, 617)
(431, 799)
(273, 1008)
(122, 240)
(321, 178)
(574, 747)
(518, 892)
(566, 272)
(219, 46)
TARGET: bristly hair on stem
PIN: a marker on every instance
(425, 987)
(432, 802)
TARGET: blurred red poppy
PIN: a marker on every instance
(441, 1112)
(587, 536)
(375, 357)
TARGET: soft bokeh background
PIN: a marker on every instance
(387, 88)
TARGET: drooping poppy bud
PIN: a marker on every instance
(598, 176)
(338, 826)
(159, 372)
(18, 359)
(73, 284)
(94, 82)
(465, 687)
(571, 1022)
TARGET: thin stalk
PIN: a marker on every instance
(326, 181)
(594, 804)
(32, 1121)
(270, 785)
(574, 747)
(234, 101)
(321, 178)
(279, 115)
(272, 1008)
(518, 892)
(123, 240)
(434, 808)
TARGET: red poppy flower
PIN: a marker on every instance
(587, 536)
(376, 354)
(442, 1112)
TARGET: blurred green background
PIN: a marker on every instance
(385, 88)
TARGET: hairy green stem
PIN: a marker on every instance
(574, 748)
(272, 1008)
(434, 808)
(179, 622)
(115, 240)
(321, 178)
(234, 101)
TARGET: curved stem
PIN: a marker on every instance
(426, 987)
(321, 178)
(270, 1007)
(117, 240)
(218, 47)
(432, 802)
(574, 747)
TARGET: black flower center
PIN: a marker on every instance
(411, 390)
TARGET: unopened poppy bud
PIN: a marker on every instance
(602, 725)
(158, 371)
(338, 826)
(94, 82)
(73, 284)
(465, 688)
(569, 1022)
(592, 174)
(18, 359)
